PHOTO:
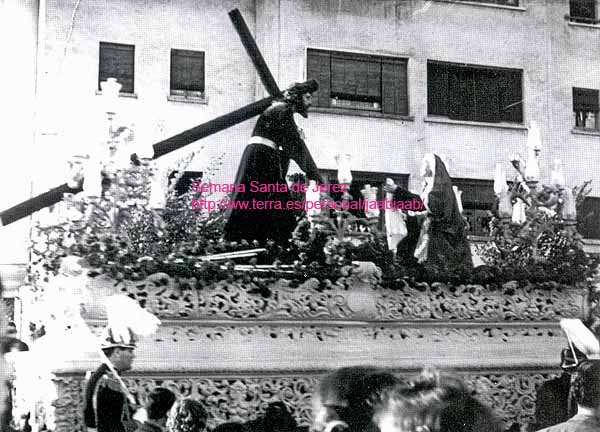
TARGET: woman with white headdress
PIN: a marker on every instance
(443, 240)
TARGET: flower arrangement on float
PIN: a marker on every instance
(130, 223)
(534, 232)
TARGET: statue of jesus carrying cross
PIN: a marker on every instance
(266, 215)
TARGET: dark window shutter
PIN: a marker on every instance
(582, 9)
(511, 96)
(437, 89)
(477, 194)
(355, 77)
(117, 61)
(588, 218)
(319, 68)
(374, 79)
(343, 82)
(585, 99)
(487, 101)
(461, 97)
(394, 86)
(187, 70)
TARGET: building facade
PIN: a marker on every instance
(462, 79)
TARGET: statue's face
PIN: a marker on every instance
(304, 104)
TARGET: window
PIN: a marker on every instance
(187, 73)
(588, 218)
(474, 93)
(585, 107)
(117, 61)
(359, 180)
(478, 202)
(359, 82)
(583, 11)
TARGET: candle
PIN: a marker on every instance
(499, 179)
(557, 178)
(369, 194)
(313, 195)
(343, 166)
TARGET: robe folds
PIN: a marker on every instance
(443, 240)
(406, 248)
(262, 163)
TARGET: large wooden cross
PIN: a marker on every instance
(182, 139)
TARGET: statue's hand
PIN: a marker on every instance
(302, 134)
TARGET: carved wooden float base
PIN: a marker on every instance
(237, 351)
(240, 397)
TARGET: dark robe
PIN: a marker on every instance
(112, 412)
(448, 245)
(406, 248)
(552, 403)
(268, 166)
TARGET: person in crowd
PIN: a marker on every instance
(277, 418)
(187, 415)
(345, 399)
(433, 402)
(160, 402)
(107, 406)
(275, 141)
(554, 403)
(5, 411)
(10, 342)
(586, 392)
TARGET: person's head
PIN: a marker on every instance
(160, 401)
(120, 357)
(467, 414)
(277, 418)
(586, 384)
(433, 402)
(300, 96)
(346, 397)
(187, 415)
(119, 348)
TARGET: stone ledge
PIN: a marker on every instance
(480, 4)
(445, 120)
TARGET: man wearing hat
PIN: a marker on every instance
(107, 408)
(275, 141)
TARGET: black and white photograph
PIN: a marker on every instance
(300, 216)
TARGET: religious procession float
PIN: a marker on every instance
(244, 324)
